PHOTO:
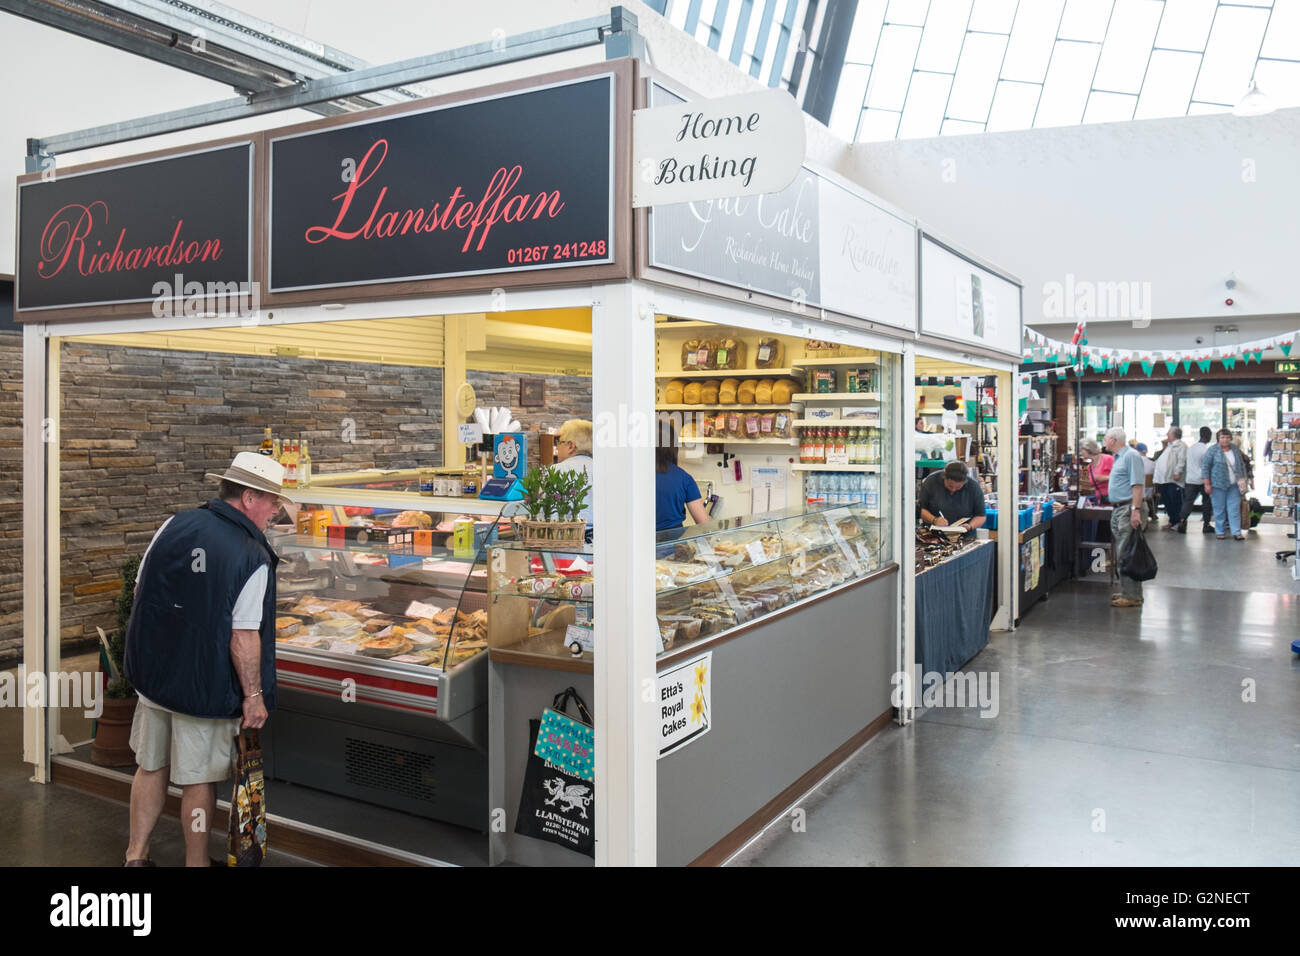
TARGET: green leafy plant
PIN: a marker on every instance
(532, 486)
(115, 644)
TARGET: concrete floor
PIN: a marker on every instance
(1122, 737)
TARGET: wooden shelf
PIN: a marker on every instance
(866, 469)
(869, 397)
(720, 408)
(738, 441)
(720, 373)
(826, 422)
(851, 362)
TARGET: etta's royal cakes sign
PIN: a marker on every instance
(112, 235)
(515, 182)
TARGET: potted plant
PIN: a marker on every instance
(112, 747)
(553, 499)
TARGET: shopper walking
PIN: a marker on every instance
(1224, 470)
(1194, 483)
(200, 650)
(1127, 483)
(1171, 468)
(1148, 481)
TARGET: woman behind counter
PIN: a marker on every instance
(573, 453)
(676, 492)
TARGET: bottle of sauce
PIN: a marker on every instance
(268, 444)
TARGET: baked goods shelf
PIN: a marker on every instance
(395, 500)
(728, 373)
(542, 597)
(866, 469)
(734, 406)
(717, 440)
(292, 542)
(852, 361)
(871, 397)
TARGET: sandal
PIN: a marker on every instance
(139, 863)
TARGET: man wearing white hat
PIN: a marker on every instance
(200, 649)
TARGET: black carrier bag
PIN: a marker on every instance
(1137, 561)
(556, 806)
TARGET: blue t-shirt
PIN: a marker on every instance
(1127, 472)
(673, 488)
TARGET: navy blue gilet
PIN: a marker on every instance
(178, 639)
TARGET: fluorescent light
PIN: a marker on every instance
(1254, 103)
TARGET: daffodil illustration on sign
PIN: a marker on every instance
(701, 675)
(697, 708)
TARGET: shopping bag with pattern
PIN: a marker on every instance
(565, 742)
(246, 838)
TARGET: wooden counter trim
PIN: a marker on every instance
(709, 643)
(730, 844)
(503, 655)
(288, 836)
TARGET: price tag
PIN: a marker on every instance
(756, 553)
(584, 637)
(863, 553)
(837, 458)
(469, 434)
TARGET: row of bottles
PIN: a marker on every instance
(850, 488)
(850, 446)
(292, 454)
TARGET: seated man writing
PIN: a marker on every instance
(950, 495)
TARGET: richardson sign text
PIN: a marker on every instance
(110, 236)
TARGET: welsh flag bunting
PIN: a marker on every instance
(1229, 361)
(1187, 365)
(1285, 346)
(1123, 367)
(1171, 366)
(1147, 365)
(1259, 356)
(1203, 363)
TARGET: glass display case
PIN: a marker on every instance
(713, 577)
(541, 605)
(386, 588)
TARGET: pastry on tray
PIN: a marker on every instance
(385, 646)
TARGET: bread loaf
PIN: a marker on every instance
(783, 389)
(730, 354)
(691, 393)
(763, 394)
(727, 391)
(709, 391)
(690, 354)
(673, 392)
(745, 394)
(769, 352)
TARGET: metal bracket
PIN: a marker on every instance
(617, 31)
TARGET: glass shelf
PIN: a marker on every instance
(543, 597)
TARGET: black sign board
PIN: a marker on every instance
(123, 234)
(515, 182)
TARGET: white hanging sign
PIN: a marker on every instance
(743, 145)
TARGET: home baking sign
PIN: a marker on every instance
(137, 232)
(742, 145)
(515, 182)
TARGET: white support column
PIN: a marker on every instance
(905, 528)
(1008, 485)
(622, 398)
(41, 580)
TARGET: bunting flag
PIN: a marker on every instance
(1171, 366)
(1086, 358)
(1123, 367)
(1229, 361)
(1147, 365)
(1078, 332)
(1187, 366)
(1203, 363)
(1285, 346)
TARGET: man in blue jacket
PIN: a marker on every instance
(200, 649)
(1126, 493)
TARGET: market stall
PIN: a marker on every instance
(410, 660)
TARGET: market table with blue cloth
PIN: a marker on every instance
(954, 607)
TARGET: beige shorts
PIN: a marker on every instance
(198, 749)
